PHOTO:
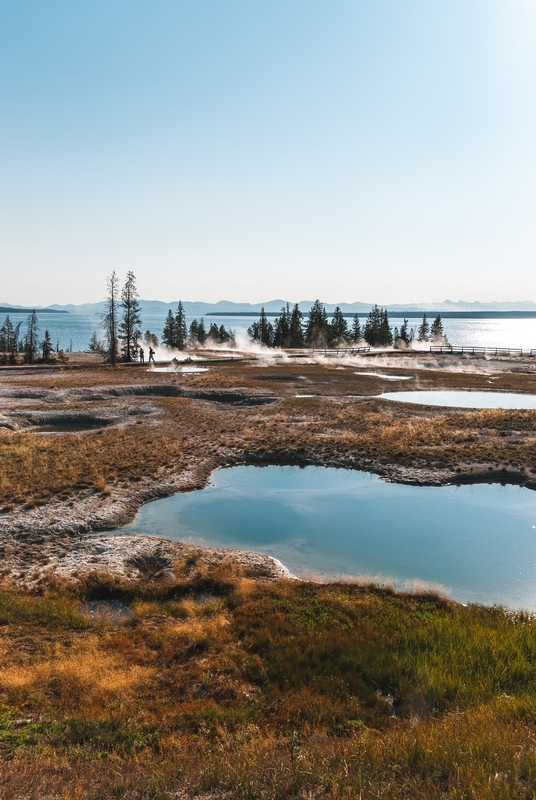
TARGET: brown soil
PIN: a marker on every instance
(152, 434)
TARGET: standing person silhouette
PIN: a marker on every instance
(142, 356)
(151, 355)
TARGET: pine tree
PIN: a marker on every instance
(181, 334)
(338, 328)
(373, 324)
(47, 348)
(424, 330)
(279, 333)
(218, 335)
(214, 333)
(282, 328)
(262, 330)
(377, 331)
(31, 342)
(266, 331)
(95, 345)
(402, 337)
(436, 331)
(129, 327)
(109, 319)
(150, 339)
(356, 334)
(197, 334)
(296, 338)
(254, 331)
(201, 332)
(386, 333)
(225, 335)
(9, 338)
(317, 333)
(169, 338)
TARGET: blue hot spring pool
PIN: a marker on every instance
(463, 399)
(477, 542)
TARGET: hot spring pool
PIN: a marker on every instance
(463, 399)
(478, 542)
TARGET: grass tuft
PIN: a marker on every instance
(215, 683)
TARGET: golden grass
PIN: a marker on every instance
(37, 467)
(286, 690)
(186, 432)
(83, 673)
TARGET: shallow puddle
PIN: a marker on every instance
(461, 399)
(385, 377)
(478, 542)
(184, 370)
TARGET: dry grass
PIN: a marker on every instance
(81, 675)
(275, 691)
(364, 432)
(216, 686)
(34, 468)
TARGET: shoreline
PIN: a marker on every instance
(72, 539)
(144, 437)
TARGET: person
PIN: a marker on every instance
(142, 356)
(151, 355)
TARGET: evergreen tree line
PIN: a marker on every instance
(176, 336)
(290, 329)
(121, 323)
(426, 332)
(27, 346)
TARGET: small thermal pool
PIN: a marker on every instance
(479, 542)
(463, 399)
(183, 370)
(385, 377)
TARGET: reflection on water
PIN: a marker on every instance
(478, 541)
(76, 328)
(464, 399)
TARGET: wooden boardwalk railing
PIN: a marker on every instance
(493, 351)
(335, 351)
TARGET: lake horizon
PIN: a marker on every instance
(76, 328)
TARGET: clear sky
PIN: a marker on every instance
(378, 150)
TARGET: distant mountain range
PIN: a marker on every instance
(7, 309)
(198, 309)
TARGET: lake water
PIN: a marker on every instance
(76, 329)
(464, 399)
(478, 542)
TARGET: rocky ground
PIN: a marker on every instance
(286, 411)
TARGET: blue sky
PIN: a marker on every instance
(381, 151)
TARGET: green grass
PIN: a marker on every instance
(266, 690)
